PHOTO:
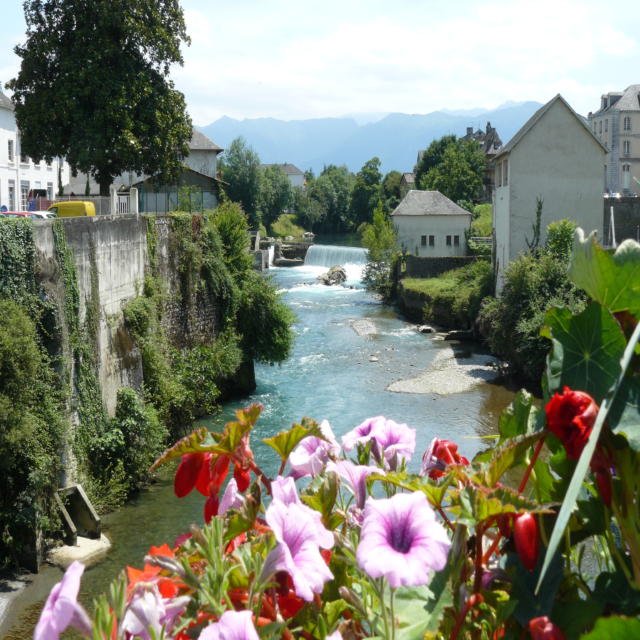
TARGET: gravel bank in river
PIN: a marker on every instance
(450, 374)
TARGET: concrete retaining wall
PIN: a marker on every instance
(432, 267)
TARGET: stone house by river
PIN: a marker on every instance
(428, 224)
(556, 158)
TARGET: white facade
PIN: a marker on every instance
(556, 158)
(19, 174)
(428, 224)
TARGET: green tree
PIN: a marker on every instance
(94, 86)
(459, 174)
(391, 189)
(380, 240)
(432, 156)
(241, 172)
(333, 189)
(275, 193)
(366, 192)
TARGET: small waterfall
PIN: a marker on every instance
(271, 251)
(320, 255)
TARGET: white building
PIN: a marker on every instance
(296, 177)
(19, 175)
(428, 224)
(617, 125)
(556, 158)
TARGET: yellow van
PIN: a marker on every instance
(73, 208)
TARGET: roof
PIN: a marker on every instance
(200, 142)
(5, 102)
(427, 203)
(152, 179)
(409, 178)
(289, 169)
(537, 116)
(629, 100)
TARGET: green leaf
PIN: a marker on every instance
(624, 417)
(478, 504)
(612, 280)
(586, 349)
(510, 454)
(614, 628)
(411, 612)
(519, 417)
(199, 440)
(323, 499)
(286, 441)
(435, 492)
(569, 502)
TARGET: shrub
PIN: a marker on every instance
(511, 323)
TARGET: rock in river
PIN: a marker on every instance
(335, 275)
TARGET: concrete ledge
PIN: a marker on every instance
(87, 551)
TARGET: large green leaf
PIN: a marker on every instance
(520, 417)
(612, 280)
(435, 492)
(624, 416)
(586, 349)
(286, 441)
(614, 628)
(569, 502)
(199, 440)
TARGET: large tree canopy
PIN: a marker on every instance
(241, 172)
(94, 86)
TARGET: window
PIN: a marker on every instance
(24, 159)
(49, 190)
(448, 241)
(627, 123)
(432, 241)
(12, 195)
(456, 241)
(600, 127)
(505, 172)
(10, 151)
(626, 147)
(423, 241)
(24, 195)
(606, 125)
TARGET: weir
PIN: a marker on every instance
(320, 255)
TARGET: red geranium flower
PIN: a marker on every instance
(543, 629)
(570, 417)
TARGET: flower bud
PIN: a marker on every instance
(570, 417)
(243, 478)
(525, 534)
(543, 629)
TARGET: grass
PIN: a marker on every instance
(482, 220)
(285, 226)
(453, 299)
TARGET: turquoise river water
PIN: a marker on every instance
(333, 373)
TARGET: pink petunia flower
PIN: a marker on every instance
(401, 540)
(284, 490)
(297, 551)
(233, 625)
(231, 498)
(397, 441)
(362, 433)
(62, 609)
(147, 610)
(356, 475)
(312, 454)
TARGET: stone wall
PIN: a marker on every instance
(432, 267)
(626, 215)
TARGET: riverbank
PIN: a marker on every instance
(334, 373)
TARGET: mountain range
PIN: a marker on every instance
(395, 138)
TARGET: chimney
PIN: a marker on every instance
(488, 127)
(469, 131)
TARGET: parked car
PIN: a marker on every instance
(19, 214)
(43, 214)
(72, 208)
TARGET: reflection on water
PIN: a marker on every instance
(333, 373)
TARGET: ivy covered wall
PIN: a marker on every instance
(140, 325)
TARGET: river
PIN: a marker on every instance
(335, 373)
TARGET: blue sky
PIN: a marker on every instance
(305, 59)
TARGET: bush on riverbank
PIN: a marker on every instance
(285, 226)
(452, 300)
(533, 283)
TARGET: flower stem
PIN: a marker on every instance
(393, 615)
(534, 459)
